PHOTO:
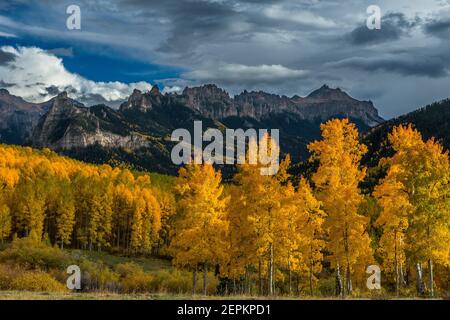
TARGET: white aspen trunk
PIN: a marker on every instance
(397, 275)
(430, 279)
(419, 279)
(194, 281)
(271, 270)
(260, 278)
(311, 279)
(338, 281)
(290, 275)
(349, 285)
(205, 279)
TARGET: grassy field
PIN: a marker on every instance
(147, 263)
(160, 269)
(26, 295)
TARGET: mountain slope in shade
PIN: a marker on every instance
(139, 132)
(432, 121)
(322, 104)
(18, 117)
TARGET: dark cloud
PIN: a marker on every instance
(52, 90)
(4, 84)
(393, 27)
(92, 99)
(225, 41)
(62, 52)
(189, 25)
(418, 66)
(88, 99)
(6, 57)
(439, 28)
(194, 22)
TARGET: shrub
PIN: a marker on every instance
(36, 281)
(97, 277)
(125, 269)
(32, 254)
(133, 278)
(7, 274)
(327, 286)
(171, 281)
(178, 282)
(137, 282)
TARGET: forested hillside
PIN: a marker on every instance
(433, 121)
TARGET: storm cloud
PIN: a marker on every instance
(394, 26)
(429, 67)
(439, 28)
(281, 46)
(6, 57)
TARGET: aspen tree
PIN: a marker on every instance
(5, 222)
(201, 231)
(336, 181)
(420, 171)
(256, 215)
(394, 221)
(310, 223)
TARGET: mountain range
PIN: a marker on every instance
(138, 133)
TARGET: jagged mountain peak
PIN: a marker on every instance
(136, 93)
(214, 102)
(325, 92)
(62, 95)
(4, 92)
(137, 100)
(62, 103)
(206, 91)
(155, 90)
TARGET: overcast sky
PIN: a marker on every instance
(285, 47)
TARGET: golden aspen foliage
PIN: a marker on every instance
(73, 203)
(336, 182)
(415, 198)
(309, 221)
(201, 230)
(65, 214)
(167, 212)
(255, 217)
(5, 222)
(394, 222)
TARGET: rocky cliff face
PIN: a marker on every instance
(18, 118)
(143, 102)
(215, 103)
(69, 124)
